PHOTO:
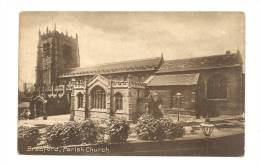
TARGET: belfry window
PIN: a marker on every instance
(46, 49)
(118, 101)
(67, 55)
(98, 98)
(217, 87)
(80, 100)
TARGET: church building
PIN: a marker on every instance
(201, 86)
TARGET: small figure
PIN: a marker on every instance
(28, 114)
(155, 105)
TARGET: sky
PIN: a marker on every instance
(117, 36)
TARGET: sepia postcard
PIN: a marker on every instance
(131, 83)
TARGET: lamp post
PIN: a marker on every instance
(179, 101)
(207, 128)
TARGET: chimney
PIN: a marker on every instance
(228, 52)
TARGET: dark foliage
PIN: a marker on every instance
(63, 134)
(118, 131)
(148, 128)
(88, 131)
(27, 136)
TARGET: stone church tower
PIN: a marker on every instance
(57, 52)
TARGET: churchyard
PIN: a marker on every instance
(58, 135)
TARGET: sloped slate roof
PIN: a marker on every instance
(40, 98)
(176, 79)
(117, 67)
(209, 62)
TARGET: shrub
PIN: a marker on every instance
(27, 136)
(118, 131)
(102, 132)
(148, 128)
(103, 137)
(172, 130)
(88, 131)
(63, 134)
(53, 135)
(113, 131)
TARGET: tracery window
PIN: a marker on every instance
(98, 98)
(118, 101)
(217, 87)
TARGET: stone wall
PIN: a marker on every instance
(168, 93)
(232, 104)
(195, 97)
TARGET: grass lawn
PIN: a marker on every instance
(40, 123)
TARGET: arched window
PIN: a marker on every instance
(217, 87)
(118, 101)
(46, 49)
(98, 98)
(80, 100)
(67, 55)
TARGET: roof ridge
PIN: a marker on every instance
(110, 63)
(189, 58)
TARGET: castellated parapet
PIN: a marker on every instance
(57, 52)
